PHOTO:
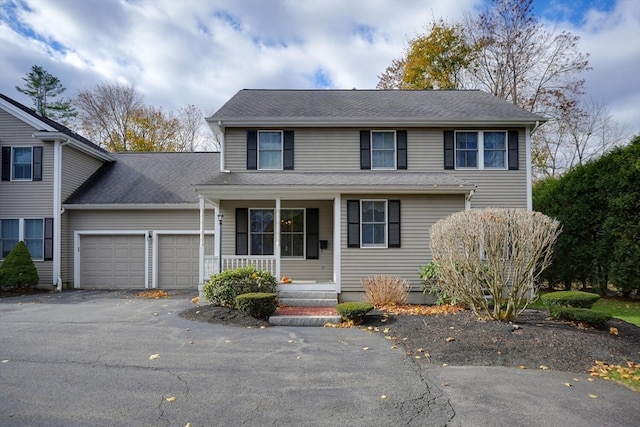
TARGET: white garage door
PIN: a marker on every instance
(112, 261)
(178, 260)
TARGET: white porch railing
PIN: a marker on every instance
(212, 264)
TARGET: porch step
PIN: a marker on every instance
(308, 298)
(304, 316)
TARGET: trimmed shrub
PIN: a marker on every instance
(432, 284)
(354, 311)
(574, 299)
(384, 290)
(18, 269)
(223, 288)
(585, 315)
(260, 305)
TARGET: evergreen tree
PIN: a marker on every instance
(42, 87)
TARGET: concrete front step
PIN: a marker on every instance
(308, 298)
(303, 320)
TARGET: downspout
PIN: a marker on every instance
(57, 212)
(529, 174)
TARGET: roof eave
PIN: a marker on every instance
(350, 122)
(130, 206)
(45, 136)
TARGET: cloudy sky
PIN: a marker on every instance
(181, 52)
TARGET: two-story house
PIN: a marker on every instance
(323, 187)
(326, 187)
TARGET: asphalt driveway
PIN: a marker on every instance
(92, 358)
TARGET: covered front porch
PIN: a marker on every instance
(295, 239)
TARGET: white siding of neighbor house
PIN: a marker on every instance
(27, 199)
(320, 269)
(417, 214)
(123, 220)
(77, 167)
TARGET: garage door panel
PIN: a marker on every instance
(178, 257)
(112, 261)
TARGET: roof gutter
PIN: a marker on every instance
(45, 136)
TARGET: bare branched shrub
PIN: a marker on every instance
(490, 259)
(384, 290)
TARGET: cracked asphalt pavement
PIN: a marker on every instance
(92, 358)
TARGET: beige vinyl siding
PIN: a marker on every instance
(320, 269)
(417, 214)
(113, 220)
(77, 167)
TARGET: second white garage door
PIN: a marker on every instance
(112, 261)
(178, 256)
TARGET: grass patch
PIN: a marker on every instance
(623, 309)
(628, 376)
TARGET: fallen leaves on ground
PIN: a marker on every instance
(421, 310)
(628, 375)
(171, 399)
(154, 357)
(155, 294)
(195, 300)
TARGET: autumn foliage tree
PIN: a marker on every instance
(491, 259)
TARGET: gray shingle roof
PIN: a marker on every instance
(360, 106)
(372, 179)
(148, 178)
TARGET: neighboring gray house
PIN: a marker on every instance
(324, 187)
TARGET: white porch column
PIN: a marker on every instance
(276, 238)
(201, 247)
(337, 224)
(57, 213)
(527, 150)
(217, 236)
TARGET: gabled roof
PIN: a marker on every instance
(361, 107)
(147, 179)
(45, 124)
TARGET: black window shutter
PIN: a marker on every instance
(353, 223)
(288, 150)
(394, 223)
(48, 239)
(401, 141)
(37, 163)
(513, 150)
(365, 149)
(313, 233)
(6, 163)
(449, 150)
(242, 231)
(252, 150)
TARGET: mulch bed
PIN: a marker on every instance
(533, 342)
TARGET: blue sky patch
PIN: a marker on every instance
(365, 32)
(229, 19)
(321, 80)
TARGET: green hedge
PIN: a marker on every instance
(257, 304)
(574, 299)
(223, 288)
(586, 315)
(18, 270)
(353, 310)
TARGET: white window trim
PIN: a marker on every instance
(281, 150)
(386, 226)
(304, 235)
(481, 150)
(21, 222)
(13, 169)
(395, 149)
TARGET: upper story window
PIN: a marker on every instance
(31, 231)
(21, 163)
(383, 150)
(270, 150)
(481, 150)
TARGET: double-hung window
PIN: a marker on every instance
(22, 164)
(270, 150)
(481, 150)
(383, 150)
(292, 233)
(31, 231)
(374, 223)
(261, 229)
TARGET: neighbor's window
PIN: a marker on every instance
(481, 150)
(373, 220)
(292, 233)
(34, 237)
(21, 163)
(9, 235)
(261, 229)
(270, 150)
(383, 150)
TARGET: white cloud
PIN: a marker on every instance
(201, 52)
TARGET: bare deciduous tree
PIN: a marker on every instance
(490, 259)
